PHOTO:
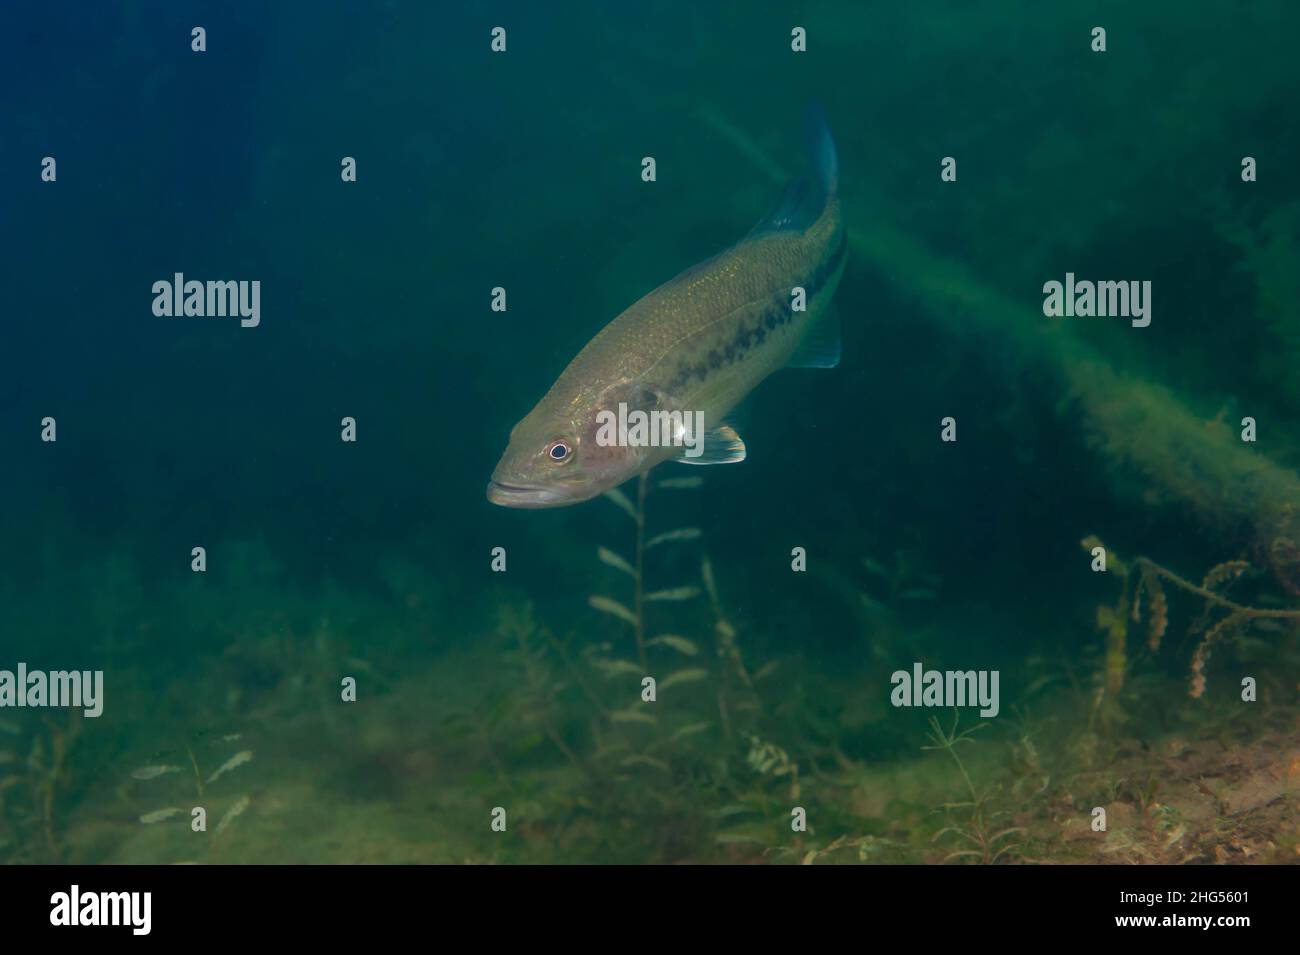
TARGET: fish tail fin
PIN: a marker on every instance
(807, 196)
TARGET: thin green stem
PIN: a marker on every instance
(639, 599)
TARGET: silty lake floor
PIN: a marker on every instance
(528, 722)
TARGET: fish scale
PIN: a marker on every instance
(666, 338)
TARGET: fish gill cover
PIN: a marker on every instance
(1016, 581)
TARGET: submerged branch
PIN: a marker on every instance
(1213, 597)
(1137, 425)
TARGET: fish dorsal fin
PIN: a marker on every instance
(796, 209)
(820, 345)
(805, 198)
(721, 445)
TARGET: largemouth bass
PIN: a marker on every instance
(657, 382)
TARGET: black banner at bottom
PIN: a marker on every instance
(336, 904)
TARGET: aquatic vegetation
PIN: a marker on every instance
(184, 776)
(732, 683)
(978, 828)
(903, 578)
(1269, 249)
(636, 615)
(526, 717)
(1221, 618)
(735, 687)
(34, 776)
(538, 702)
(671, 740)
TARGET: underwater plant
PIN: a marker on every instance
(1221, 617)
(205, 748)
(901, 579)
(978, 827)
(538, 702)
(747, 774)
(31, 786)
(635, 616)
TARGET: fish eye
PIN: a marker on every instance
(559, 450)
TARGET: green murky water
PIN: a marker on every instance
(349, 679)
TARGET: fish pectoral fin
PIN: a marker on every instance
(820, 346)
(721, 445)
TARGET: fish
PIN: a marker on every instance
(657, 383)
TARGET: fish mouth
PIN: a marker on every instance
(523, 495)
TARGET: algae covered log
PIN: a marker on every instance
(1138, 426)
